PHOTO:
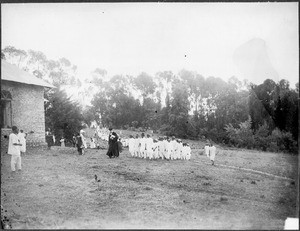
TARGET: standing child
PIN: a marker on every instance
(143, 146)
(137, 146)
(179, 149)
(206, 148)
(62, 142)
(149, 146)
(169, 150)
(188, 152)
(161, 148)
(14, 149)
(155, 149)
(92, 143)
(131, 145)
(212, 153)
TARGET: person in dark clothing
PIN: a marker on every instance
(113, 146)
(79, 144)
(49, 139)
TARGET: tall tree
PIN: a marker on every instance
(61, 114)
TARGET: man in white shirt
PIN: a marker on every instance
(14, 149)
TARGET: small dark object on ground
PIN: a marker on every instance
(253, 182)
(223, 199)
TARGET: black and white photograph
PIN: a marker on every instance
(150, 115)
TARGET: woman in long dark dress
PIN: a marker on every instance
(113, 147)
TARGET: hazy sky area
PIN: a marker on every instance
(213, 39)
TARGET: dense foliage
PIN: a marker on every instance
(63, 117)
(187, 105)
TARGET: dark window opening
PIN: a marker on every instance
(6, 110)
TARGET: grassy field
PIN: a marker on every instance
(56, 190)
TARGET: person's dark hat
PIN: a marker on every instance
(110, 128)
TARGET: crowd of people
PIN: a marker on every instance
(146, 147)
(162, 148)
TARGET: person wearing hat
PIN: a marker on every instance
(113, 146)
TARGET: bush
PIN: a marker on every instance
(284, 141)
(261, 137)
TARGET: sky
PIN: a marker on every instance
(213, 39)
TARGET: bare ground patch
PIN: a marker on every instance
(56, 189)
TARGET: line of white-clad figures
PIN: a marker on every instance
(164, 148)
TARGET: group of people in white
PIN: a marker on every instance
(163, 147)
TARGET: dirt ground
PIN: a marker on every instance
(56, 190)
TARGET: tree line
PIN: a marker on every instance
(186, 104)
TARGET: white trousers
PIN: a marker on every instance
(15, 160)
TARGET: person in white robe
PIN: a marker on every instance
(92, 143)
(62, 142)
(212, 153)
(173, 153)
(155, 149)
(137, 146)
(83, 138)
(188, 152)
(179, 149)
(161, 148)
(149, 146)
(143, 146)
(131, 145)
(165, 144)
(169, 151)
(206, 148)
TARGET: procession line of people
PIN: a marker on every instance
(164, 148)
